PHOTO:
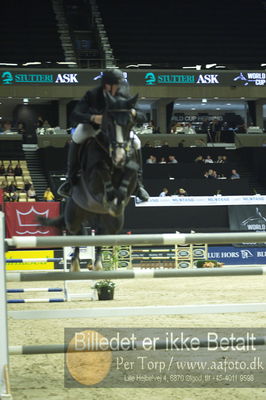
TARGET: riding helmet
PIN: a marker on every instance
(112, 77)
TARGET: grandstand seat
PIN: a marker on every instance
(23, 197)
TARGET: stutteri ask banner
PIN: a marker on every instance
(21, 218)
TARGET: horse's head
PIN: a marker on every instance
(117, 123)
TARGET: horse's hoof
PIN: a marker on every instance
(75, 266)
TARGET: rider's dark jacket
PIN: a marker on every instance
(92, 103)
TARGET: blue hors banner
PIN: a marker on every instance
(231, 255)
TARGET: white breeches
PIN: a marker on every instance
(85, 131)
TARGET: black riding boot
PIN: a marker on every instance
(65, 190)
(140, 191)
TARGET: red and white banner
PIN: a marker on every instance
(21, 218)
(1, 199)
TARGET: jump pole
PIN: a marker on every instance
(15, 301)
(150, 240)
(136, 345)
(4, 371)
(30, 290)
(28, 260)
(134, 274)
(138, 311)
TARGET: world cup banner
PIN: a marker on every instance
(251, 218)
(21, 218)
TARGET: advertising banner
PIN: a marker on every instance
(21, 218)
(1, 199)
(31, 265)
(248, 218)
(201, 201)
(149, 78)
(230, 255)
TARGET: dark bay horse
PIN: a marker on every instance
(108, 177)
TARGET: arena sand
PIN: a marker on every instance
(41, 377)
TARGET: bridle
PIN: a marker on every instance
(116, 127)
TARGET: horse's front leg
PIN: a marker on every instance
(98, 259)
(109, 193)
(75, 264)
(123, 190)
(106, 225)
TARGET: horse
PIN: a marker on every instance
(107, 178)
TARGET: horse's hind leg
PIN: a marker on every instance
(74, 217)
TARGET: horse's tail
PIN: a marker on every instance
(58, 222)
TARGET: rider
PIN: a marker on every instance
(87, 115)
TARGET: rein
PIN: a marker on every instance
(100, 144)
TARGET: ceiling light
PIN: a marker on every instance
(31, 63)
(204, 100)
(138, 65)
(263, 65)
(210, 65)
(218, 109)
(242, 98)
(37, 97)
(216, 98)
(198, 67)
(10, 64)
(193, 109)
(228, 104)
(66, 62)
(220, 66)
(193, 67)
(25, 100)
(189, 98)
